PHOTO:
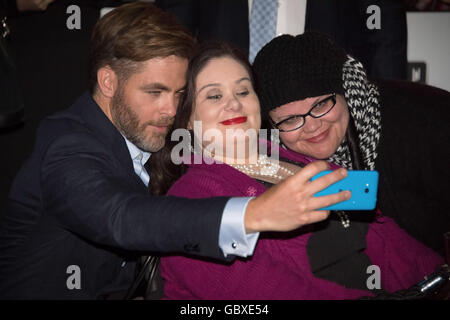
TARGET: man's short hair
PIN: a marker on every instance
(134, 33)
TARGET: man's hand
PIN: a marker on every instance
(291, 203)
(33, 5)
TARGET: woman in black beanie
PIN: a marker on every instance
(320, 99)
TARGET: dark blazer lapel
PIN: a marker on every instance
(97, 121)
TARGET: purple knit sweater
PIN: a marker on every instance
(279, 268)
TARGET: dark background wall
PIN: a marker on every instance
(51, 61)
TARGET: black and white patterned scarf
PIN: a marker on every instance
(336, 251)
(362, 98)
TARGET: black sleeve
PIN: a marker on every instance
(86, 194)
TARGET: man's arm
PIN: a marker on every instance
(233, 239)
(86, 192)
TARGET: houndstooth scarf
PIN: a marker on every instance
(362, 100)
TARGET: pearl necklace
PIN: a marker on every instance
(264, 167)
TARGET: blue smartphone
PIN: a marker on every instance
(363, 186)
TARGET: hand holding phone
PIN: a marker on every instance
(362, 184)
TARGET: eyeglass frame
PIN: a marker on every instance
(275, 125)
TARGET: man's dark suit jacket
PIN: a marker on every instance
(77, 201)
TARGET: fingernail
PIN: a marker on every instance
(344, 172)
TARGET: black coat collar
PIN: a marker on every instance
(97, 122)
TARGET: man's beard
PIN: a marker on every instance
(127, 122)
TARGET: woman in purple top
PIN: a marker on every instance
(346, 256)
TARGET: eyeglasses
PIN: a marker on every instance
(297, 121)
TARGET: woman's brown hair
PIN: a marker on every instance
(163, 172)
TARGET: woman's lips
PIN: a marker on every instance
(234, 121)
(319, 137)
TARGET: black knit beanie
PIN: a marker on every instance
(292, 68)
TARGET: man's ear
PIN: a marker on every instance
(107, 81)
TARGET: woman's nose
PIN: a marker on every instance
(233, 104)
(311, 124)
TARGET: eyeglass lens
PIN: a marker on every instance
(317, 111)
